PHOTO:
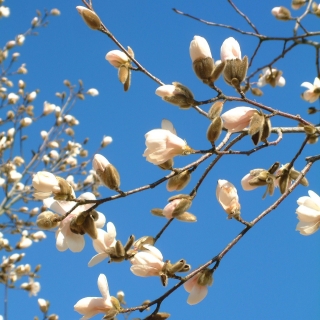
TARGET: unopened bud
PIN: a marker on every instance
(179, 181)
(257, 92)
(47, 220)
(90, 18)
(215, 110)
(166, 165)
(187, 217)
(214, 129)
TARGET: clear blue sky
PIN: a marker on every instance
(273, 272)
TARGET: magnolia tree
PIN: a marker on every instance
(55, 185)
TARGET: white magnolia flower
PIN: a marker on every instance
(163, 145)
(266, 78)
(313, 92)
(66, 239)
(106, 141)
(104, 241)
(230, 49)
(147, 262)
(91, 306)
(308, 214)
(25, 122)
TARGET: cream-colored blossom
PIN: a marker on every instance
(65, 238)
(266, 73)
(163, 145)
(227, 196)
(313, 92)
(308, 214)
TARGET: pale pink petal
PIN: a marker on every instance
(167, 125)
(197, 294)
(188, 286)
(245, 182)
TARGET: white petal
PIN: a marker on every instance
(307, 214)
(61, 242)
(103, 286)
(156, 252)
(97, 259)
(75, 242)
(307, 228)
(101, 220)
(167, 125)
(307, 85)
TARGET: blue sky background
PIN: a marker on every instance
(273, 272)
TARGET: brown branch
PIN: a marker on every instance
(244, 16)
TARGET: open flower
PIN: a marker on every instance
(147, 262)
(104, 241)
(313, 92)
(227, 196)
(272, 77)
(308, 214)
(230, 49)
(238, 118)
(66, 239)
(163, 145)
(91, 306)
(197, 286)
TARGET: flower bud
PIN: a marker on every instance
(176, 207)
(64, 191)
(215, 110)
(187, 217)
(297, 4)
(31, 96)
(214, 129)
(90, 18)
(166, 165)
(235, 72)
(257, 92)
(179, 181)
(106, 172)
(205, 278)
(93, 92)
(202, 61)
(281, 13)
(55, 12)
(43, 305)
(25, 122)
(47, 220)
(106, 141)
(176, 94)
